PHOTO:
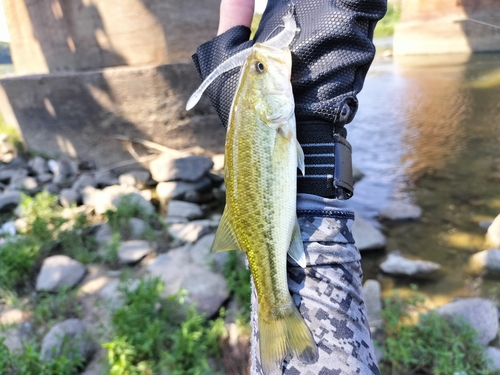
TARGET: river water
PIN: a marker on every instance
(428, 132)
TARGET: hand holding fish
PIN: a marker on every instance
(250, 85)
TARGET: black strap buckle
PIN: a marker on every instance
(343, 181)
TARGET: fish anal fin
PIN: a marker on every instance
(225, 238)
(296, 251)
(284, 335)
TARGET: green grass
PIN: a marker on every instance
(238, 283)
(152, 334)
(433, 345)
(385, 27)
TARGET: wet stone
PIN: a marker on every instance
(366, 236)
(401, 211)
(397, 265)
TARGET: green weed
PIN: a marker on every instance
(28, 362)
(49, 308)
(154, 334)
(238, 283)
(385, 27)
(434, 345)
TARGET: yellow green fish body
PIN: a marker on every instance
(261, 160)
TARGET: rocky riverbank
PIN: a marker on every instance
(159, 222)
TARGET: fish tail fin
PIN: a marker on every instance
(282, 336)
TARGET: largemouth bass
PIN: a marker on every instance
(261, 159)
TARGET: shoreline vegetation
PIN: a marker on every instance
(136, 327)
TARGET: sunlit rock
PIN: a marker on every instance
(133, 251)
(486, 261)
(397, 265)
(208, 289)
(493, 233)
(188, 168)
(58, 272)
(480, 313)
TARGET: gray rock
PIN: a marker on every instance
(113, 296)
(134, 178)
(137, 227)
(205, 288)
(17, 179)
(178, 189)
(67, 336)
(493, 233)
(397, 265)
(68, 197)
(493, 354)
(189, 232)
(52, 188)
(400, 211)
(188, 168)
(6, 174)
(357, 175)
(136, 199)
(105, 178)
(485, 224)
(187, 210)
(12, 340)
(103, 234)
(200, 254)
(44, 178)
(9, 200)
(133, 251)
(109, 197)
(372, 292)
(63, 167)
(38, 165)
(83, 181)
(62, 180)
(486, 261)
(59, 271)
(480, 313)
(366, 236)
(8, 228)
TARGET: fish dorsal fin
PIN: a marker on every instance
(301, 164)
(225, 238)
(233, 62)
(296, 251)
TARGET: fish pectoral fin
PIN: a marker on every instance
(301, 164)
(296, 251)
(225, 238)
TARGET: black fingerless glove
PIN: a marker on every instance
(330, 58)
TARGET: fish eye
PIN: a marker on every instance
(260, 67)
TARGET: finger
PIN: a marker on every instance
(235, 13)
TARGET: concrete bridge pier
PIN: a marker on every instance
(88, 70)
(447, 26)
